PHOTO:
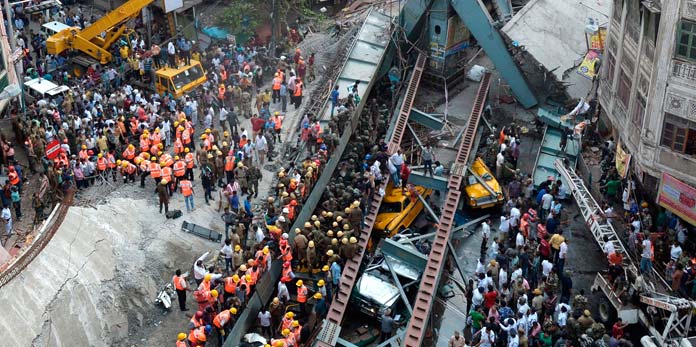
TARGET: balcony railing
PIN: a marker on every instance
(683, 70)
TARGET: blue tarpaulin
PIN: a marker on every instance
(216, 32)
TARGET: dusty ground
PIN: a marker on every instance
(96, 281)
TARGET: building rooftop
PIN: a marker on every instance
(543, 24)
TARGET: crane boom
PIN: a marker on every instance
(89, 39)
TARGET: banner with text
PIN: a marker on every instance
(622, 161)
(678, 197)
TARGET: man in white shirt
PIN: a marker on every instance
(485, 234)
(519, 240)
(646, 256)
(227, 252)
(7, 218)
(477, 297)
(546, 201)
(562, 256)
(397, 161)
(283, 293)
(608, 246)
(261, 146)
(487, 336)
(675, 251)
(516, 274)
(562, 312)
(499, 161)
(546, 267)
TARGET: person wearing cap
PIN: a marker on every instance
(163, 194)
(277, 310)
(585, 321)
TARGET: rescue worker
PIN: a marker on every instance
(286, 323)
(179, 170)
(181, 340)
(181, 286)
(102, 165)
(128, 171)
(187, 191)
(189, 160)
(198, 336)
(229, 168)
(167, 175)
(302, 293)
(230, 286)
(155, 170)
(144, 166)
(223, 321)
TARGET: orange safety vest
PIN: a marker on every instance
(207, 145)
(287, 253)
(254, 275)
(111, 160)
(14, 178)
(177, 283)
(278, 121)
(83, 154)
(524, 226)
(221, 319)
(286, 275)
(229, 163)
(101, 164)
(230, 286)
(242, 142)
(167, 160)
(181, 344)
(302, 294)
(144, 143)
(144, 165)
(290, 340)
(167, 173)
(286, 323)
(298, 89)
(156, 139)
(276, 83)
(195, 322)
(197, 336)
(186, 187)
(178, 146)
(179, 168)
(129, 154)
(155, 170)
(186, 137)
(130, 169)
(189, 160)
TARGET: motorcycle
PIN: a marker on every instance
(165, 296)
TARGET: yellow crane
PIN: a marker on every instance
(90, 39)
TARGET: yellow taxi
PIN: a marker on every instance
(181, 80)
(398, 211)
(482, 189)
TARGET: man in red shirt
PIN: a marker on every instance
(617, 331)
(257, 125)
(490, 297)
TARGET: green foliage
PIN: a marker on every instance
(242, 17)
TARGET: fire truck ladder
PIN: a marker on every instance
(331, 329)
(677, 325)
(680, 310)
(431, 276)
(591, 213)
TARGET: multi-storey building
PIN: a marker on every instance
(647, 87)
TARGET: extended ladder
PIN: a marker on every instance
(331, 327)
(431, 276)
(591, 213)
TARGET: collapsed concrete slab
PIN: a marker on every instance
(95, 282)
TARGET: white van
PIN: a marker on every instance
(39, 88)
